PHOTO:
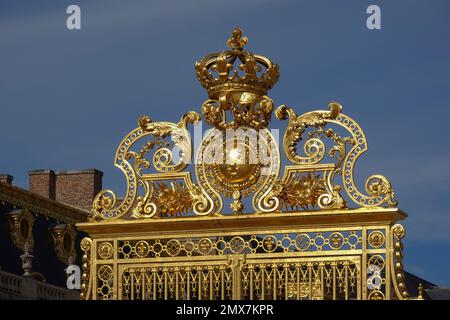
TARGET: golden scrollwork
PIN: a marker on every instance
(104, 205)
(308, 185)
(163, 157)
(302, 240)
(377, 187)
(237, 166)
(314, 147)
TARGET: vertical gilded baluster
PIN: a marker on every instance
(286, 280)
(250, 271)
(310, 266)
(222, 282)
(188, 285)
(274, 271)
(132, 284)
(346, 279)
(143, 284)
(297, 271)
(322, 282)
(211, 283)
(177, 294)
(154, 284)
(262, 269)
(165, 284)
(150, 285)
(333, 265)
(364, 264)
(199, 275)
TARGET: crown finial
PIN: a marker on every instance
(237, 81)
(237, 41)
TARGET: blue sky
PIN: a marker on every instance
(68, 97)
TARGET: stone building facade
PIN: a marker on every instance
(38, 237)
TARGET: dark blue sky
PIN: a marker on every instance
(68, 97)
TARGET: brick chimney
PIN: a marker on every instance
(74, 187)
(6, 178)
(78, 187)
(42, 182)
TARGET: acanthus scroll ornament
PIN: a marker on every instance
(237, 82)
(165, 138)
(378, 187)
(301, 231)
(314, 147)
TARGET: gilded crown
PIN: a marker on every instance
(236, 69)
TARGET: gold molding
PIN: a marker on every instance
(247, 221)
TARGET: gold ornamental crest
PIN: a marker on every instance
(225, 214)
(239, 157)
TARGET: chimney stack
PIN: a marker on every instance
(78, 187)
(6, 178)
(74, 187)
(42, 182)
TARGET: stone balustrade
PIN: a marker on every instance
(18, 287)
